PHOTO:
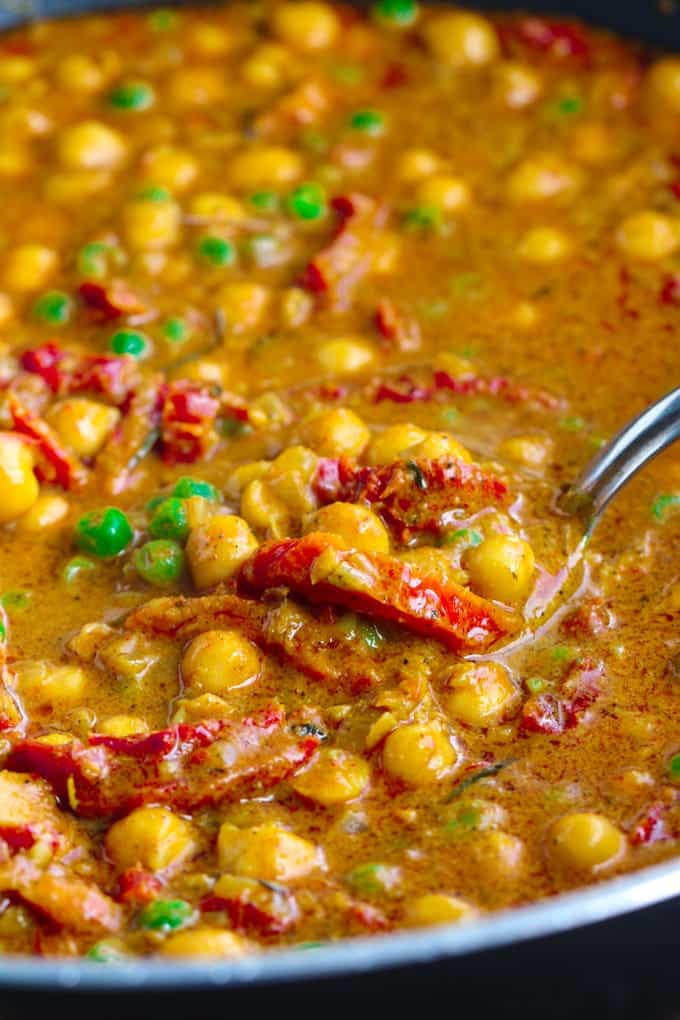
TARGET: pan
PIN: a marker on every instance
(609, 950)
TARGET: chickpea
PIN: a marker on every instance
(479, 694)
(290, 478)
(45, 685)
(216, 549)
(266, 852)
(217, 208)
(444, 192)
(70, 187)
(122, 726)
(341, 356)
(358, 526)
(501, 567)
(194, 86)
(648, 236)
(517, 85)
(152, 837)
(543, 178)
(243, 304)
(45, 513)
(437, 908)
(334, 777)
(531, 451)
(205, 370)
(90, 145)
(306, 26)
(18, 484)
(170, 167)
(462, 39)
(439, 444)
(15, 69)
(296, 306)
(207, 943)
(663, 81)
(497, 855)
(265, 166)
(219, 660)
(262, 509)
(79, 73)
(84, 425)
(207, 40)
(416, 164)
(586, 842)
(242, 475)
(525, 315)
(418, 754)
(29, 266)
(267, 66)
(592, 144)
(544, 245)
(206, 706)
(151, 225)
(337, 433)
(393, 443)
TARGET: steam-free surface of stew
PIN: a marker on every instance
(307, 315)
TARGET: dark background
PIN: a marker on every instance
(624, 969)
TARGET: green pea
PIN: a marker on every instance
(535, 684)
(170, 520)
(104, 952)
(560, 653)
(373, 879)
(466, 536)
(176, 330)
(217, 251)
(674, 769)
(572, 423)
(397, 13)
(187, 487)
(16, 601)
(233, 428)
(76, 568)
(264, 201)
(347, 74)
(369, 122)
(422, 218)
(93, 260)
(132, 95)
(663, 503)
(569, 106)
(54, 307)
(166, 915)
(104, 533)
(154, 194)
(160, 562)
(129, 341)
(308, 202)
(371, 635)
(162, 20)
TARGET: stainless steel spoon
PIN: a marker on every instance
(622, 457)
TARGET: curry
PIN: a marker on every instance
(307, 316)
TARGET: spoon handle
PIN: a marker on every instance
(643, 438)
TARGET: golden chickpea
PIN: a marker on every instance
(242, 475)
(214, 207)
(337, 433)
(439, 444)
(480, 693)
(29, 266)
(586, 842)
(90, 145)
(45, 685)
(343, 356)
(266, 852)
(358, 526)
(437, 908)
(205, 370)
(334, 777)
(290, 478)
(531, 451)
(216, 549)
(122, 726)
(170, 167)
(542, 178)
(18, 484)
(497, 856)
(418, 754)
(80, 73)
(501, 567)
(219, 660)
(151, 225)
(15, 69)
(416, 164)
(592, 144)
(444, 192)
(648, 236)
(524, 315)
(194, 86)
(517, 85)
(392, 444)
(243, 304)
(206, 943)
(307, 25)
(544, 245)
(267, 66)
(47, 511)
(262, 509)
(152, 837)
(663, 82)
(84, 425)
(265, 166)
(208, 40)
(461, 39)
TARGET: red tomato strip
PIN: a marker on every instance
(58, 464)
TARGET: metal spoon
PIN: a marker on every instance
(621, 458)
